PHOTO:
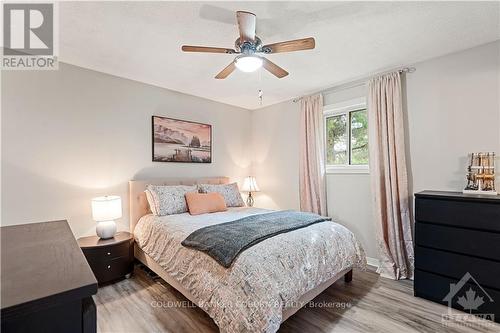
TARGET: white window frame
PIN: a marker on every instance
(336, 110)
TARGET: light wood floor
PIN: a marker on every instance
(378, 305)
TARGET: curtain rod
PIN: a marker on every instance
(359, 83)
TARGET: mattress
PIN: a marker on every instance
(250, 295)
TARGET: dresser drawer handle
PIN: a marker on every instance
(109, 266)
(109, 253)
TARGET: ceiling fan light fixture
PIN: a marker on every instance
(249, 47)
(248, 64)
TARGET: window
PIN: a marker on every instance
(346, 129)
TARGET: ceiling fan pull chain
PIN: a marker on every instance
(261, 93)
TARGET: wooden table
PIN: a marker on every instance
(46, 283)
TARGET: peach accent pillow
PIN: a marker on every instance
(202, 203)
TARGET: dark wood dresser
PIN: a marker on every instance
(46, 283)
(456, 234)
(110, 259)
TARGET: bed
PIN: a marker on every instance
(265, 285)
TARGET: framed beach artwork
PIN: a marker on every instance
(182, 141)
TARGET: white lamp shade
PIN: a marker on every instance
(250, 185)
(106, 208)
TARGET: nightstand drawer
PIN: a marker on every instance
(110, 259)
(113, 269)
(109, 252)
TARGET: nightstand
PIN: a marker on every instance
(110, 259)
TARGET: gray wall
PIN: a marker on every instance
(349, 195)
(276, 165)
(73, 134)
(276, 155)
(452, 108)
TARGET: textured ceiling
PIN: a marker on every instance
(141, 41)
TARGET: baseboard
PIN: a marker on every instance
(373, 262)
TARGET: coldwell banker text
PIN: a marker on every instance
(29, 36)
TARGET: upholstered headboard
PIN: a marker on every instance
(139, 204)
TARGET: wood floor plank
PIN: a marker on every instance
(145, 303)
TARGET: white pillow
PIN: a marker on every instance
(230, 192)
(168, 200)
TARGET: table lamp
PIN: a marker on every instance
(250, 185)
(104, 211)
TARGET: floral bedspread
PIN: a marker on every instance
(250, 295)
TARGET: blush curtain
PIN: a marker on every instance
(312, 152)
(388, 176)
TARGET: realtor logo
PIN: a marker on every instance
(468, 295)
(28, 28)
(29, 36)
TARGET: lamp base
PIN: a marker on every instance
(250, 200)
(106, 229)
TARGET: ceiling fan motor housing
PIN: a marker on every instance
(248, 47)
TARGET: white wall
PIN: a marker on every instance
(452, 109)
(276, 155)
(276, 166)
(73, 134)
(343, 190)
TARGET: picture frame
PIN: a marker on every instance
(180, 141)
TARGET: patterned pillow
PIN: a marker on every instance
(230, 192)
(168, 200)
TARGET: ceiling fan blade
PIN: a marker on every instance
(190, 48)
(290, 46)
(246, 25)
(274, 69)
(226, 71)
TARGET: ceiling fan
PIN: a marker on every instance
(250, 49)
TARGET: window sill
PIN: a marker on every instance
(346, 169)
